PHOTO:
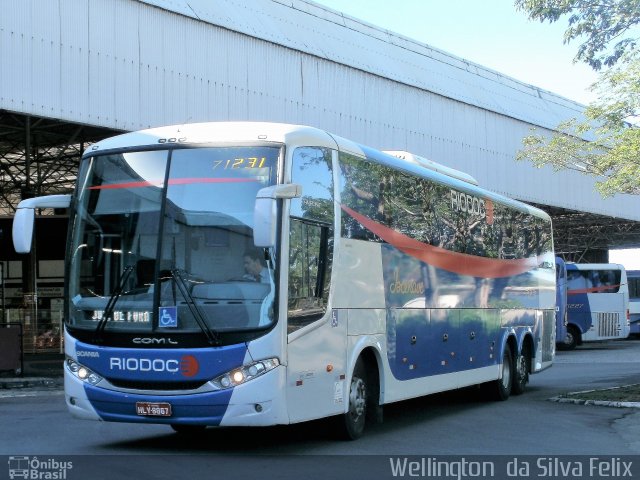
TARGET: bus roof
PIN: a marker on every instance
(245, 132)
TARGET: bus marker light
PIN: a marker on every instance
(329, 368)
(82, 372)
(245, 373)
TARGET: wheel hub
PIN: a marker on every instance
(357, 398)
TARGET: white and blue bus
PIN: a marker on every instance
(597, 303)
(633, 279)
(561, 303)
(243, 274)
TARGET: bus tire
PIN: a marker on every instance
(521, 370)
(500, 389)
(571, 340)
(351, 424)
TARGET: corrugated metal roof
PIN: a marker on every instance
(314, 29)
(127, 64)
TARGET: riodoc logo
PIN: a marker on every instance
(480, 207)
(187, 365)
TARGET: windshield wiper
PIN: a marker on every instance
(212, 336)
(111, 304)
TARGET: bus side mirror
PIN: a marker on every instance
(265, 212)
(22, 231)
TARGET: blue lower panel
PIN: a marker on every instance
(195, 409)
(424, 342)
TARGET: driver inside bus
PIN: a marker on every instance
(255, 268)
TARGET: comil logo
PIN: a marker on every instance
(187, 365)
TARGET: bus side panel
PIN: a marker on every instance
(633, 280)
(546, 347)
(561, 301)
(604, 313)
(579, 312)
(634, 316)
(439, 341)
(316, 369)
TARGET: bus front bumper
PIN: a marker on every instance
(256, 403)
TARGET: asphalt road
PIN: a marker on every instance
(455, 424)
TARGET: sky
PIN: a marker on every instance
(493, 34)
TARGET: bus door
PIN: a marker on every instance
(316, 334)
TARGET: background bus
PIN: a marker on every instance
(633, 278)
(561, 303)
(598, 303)
(246, 274)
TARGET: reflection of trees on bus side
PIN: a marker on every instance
(423, 210)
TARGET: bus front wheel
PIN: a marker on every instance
(571, 340)
(351, 423)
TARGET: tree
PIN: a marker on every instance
(606, 143)
(600, 21)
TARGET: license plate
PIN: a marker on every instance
(153, 409)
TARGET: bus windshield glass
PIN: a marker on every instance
(162, 242)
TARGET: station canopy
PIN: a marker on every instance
(40, 156)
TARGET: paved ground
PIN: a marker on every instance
(34, 421)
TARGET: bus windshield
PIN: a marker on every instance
(162, 242)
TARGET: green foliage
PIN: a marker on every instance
(612, 153)
(606, 143)
(607, 28)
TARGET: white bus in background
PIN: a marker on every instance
(251, 274)
(633, 277)
(597, 303)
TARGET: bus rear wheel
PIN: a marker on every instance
(351, 424)
(521, 370)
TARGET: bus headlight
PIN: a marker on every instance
(83, 373)
(245, 373)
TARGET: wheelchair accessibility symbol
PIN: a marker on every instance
(168, 317)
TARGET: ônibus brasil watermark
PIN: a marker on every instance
(34, 468)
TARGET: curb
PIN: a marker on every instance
(30, 382)
(598, 403)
